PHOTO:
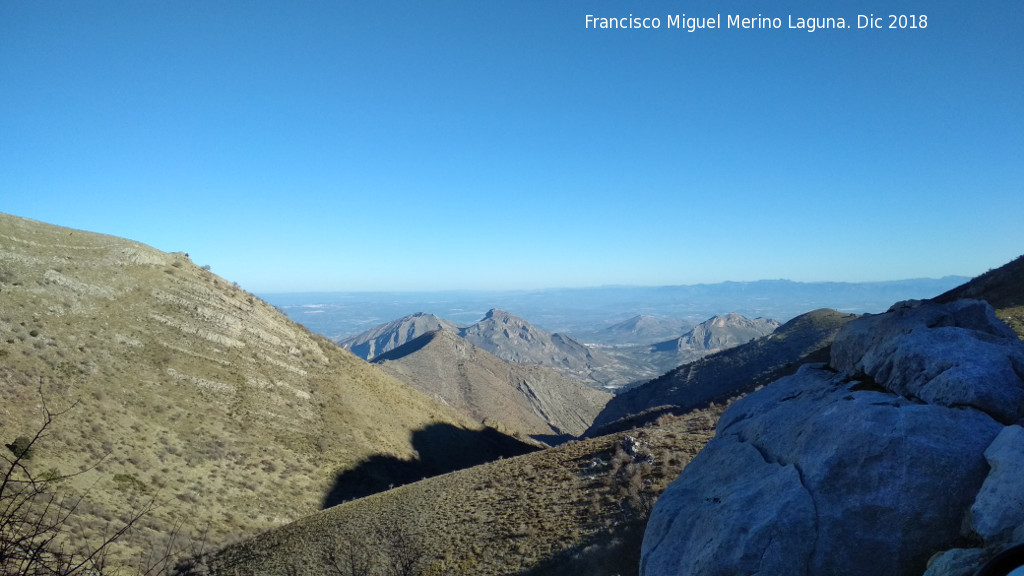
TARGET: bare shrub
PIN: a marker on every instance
(36, 533)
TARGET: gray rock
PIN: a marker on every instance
(815, 477)
(896, 449)
(957, 562)
(956, 354)
(716, 525)
(999, 508)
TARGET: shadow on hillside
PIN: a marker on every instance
(442, 448)
(553, 439)
(610, 552)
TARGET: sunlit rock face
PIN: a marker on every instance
(902, 447)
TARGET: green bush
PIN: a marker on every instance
(130, 482)
(21, 448)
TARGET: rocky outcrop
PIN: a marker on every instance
(903, 447)
(952, 355)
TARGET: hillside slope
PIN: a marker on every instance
(199, 394)
(532, 400)
(1002, 288)
(578, 508)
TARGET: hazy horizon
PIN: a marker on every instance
(583, 310)
(606, 286)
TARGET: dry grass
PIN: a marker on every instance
(576, 508)
(185, 389)
(1014, 318)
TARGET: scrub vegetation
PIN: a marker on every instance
(579, 508)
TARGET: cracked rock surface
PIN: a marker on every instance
(870, 467)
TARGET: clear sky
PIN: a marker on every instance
(491, 144)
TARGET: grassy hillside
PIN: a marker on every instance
(579, 508)
(183, 388)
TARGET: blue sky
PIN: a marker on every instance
(498, 144)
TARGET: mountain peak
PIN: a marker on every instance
(387, 337)
(498, 314)
(726, 331)
(525, 398)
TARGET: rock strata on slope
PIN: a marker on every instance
(897, 451)
(206, 397)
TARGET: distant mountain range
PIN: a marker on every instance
(504, 335)
(513, 339)
(585, 313)
(727, 373)
(640, 329)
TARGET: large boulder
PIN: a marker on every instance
(956, 354)
(868, 466)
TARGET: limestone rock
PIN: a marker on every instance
(714, 525)
(999, 507)
(872, 465)
(875, 471)
(956, 354)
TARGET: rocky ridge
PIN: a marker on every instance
(729, 373)
(513, 339)
(500, 333)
